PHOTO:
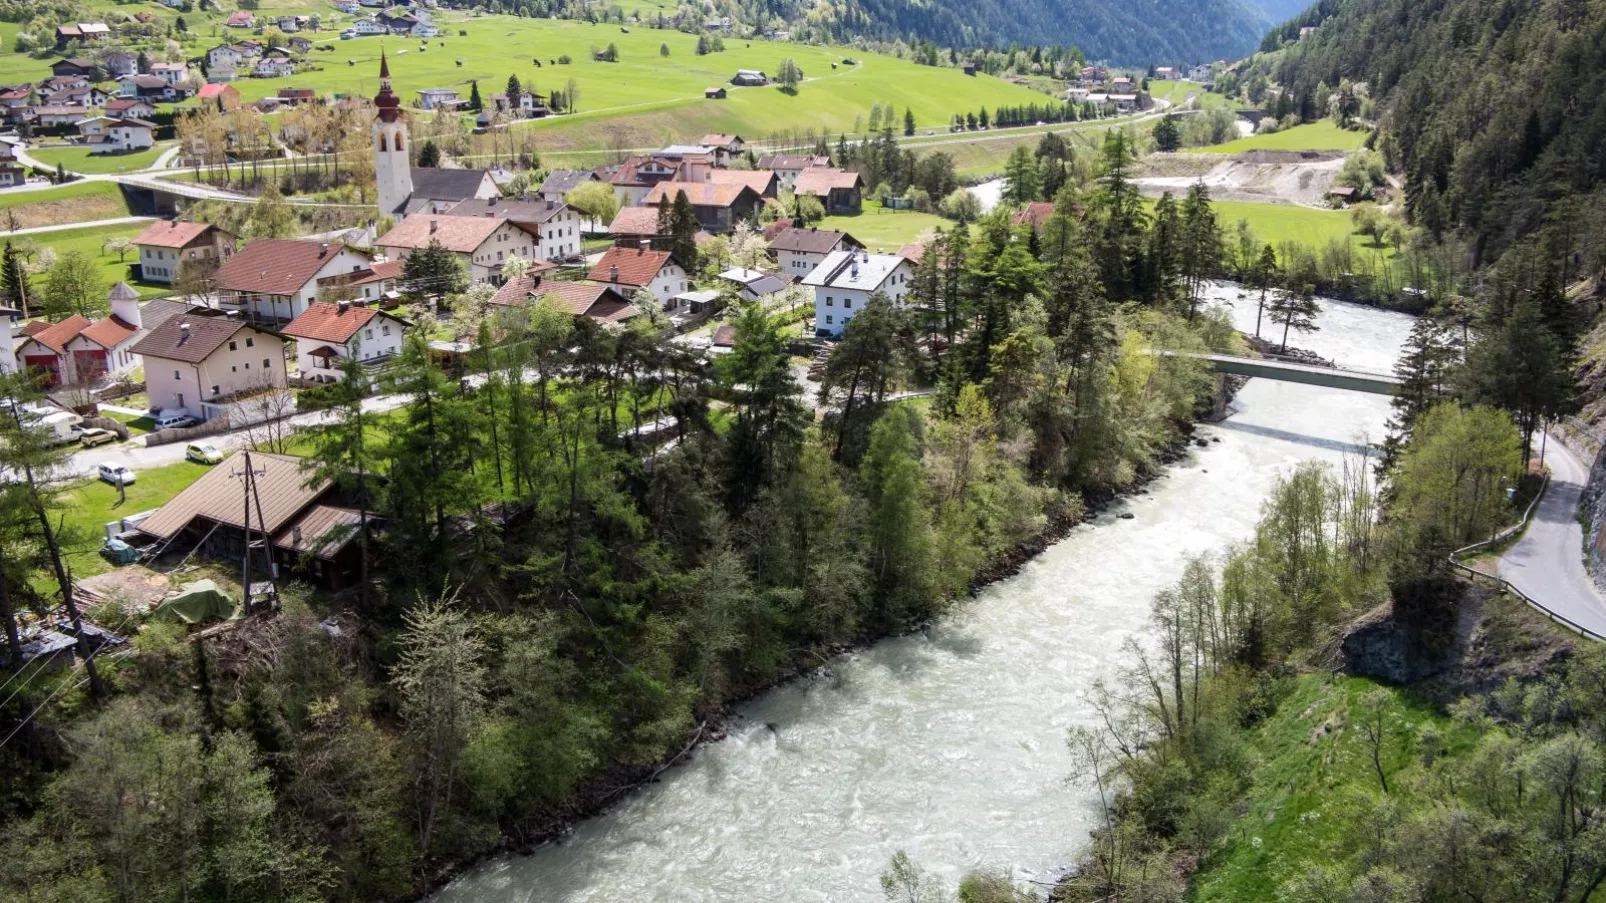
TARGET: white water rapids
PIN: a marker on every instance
(950, 745)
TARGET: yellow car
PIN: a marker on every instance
(94, 436)
(203, 453)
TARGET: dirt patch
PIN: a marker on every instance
(1259, 177)
(134, 588)
(68, 210)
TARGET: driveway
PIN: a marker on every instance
(1547, 563)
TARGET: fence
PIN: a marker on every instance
(1505, 585)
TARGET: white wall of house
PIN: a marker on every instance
(288, 307)
(255, 360)
(382, 337)
(127, 138)
(484, 264)
(161, 264)
(798, 263)
(670, 281)
(834, 307)
(119, 360)
(560, 235)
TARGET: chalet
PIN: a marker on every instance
(369, 285)
(297, 95)
(129, 107)
(483, 243)
(787, 166)
(52, 116)
(1168, 73)
(636, 176)
(369, 27)
(438, 98)
(82, 96)
(327, 335)
(191, 360)
(274, 67)
(225, 97)
(630, 269)
(555, 225)
(223, 56)
(149, 87)
(633, 224)
(718, 206)
(241, 18)
(752, 285)
(749, 78)
(602, 304)
(435, 189)
(77, 65)
(838, 189)
(117, 136)
(14, 100)
(79, 351)
(559, 182)
(764, 183)
(119, 63)
(80, 33)
(299, 44)
(1123, 102)
(727, 147)
(291, 24)
(1202, 73)
(844, 283)
(165, 246)
(799, 251)
(713, 93)
(1093, 75)
(272, 279)
(172, 73)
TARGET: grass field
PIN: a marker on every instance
(1323, 135)
(75, 203)
(91, 504)
(89, 241)
(1277, 223)
(79, 159)
(887, 230)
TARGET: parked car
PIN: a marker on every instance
(172, 420)
(203, 453)
(94, 436)
(117, 473)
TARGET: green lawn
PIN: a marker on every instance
(1323, 135)
(1277, 223)
(72, 203)
(89, 241)
(1178, 93)
(887, 230)
(79, 159)
(89, 505)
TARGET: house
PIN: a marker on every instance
(632, 224)
(79, 351)
(226, 97)
(727, 147)
(50, 116)
(299, 44)
(83, 67)
(435, 189)
(1093, 75)
(764, 183)
(436, 98)
(752, 285)
(718, 206)
(290, 24)
(601, 304)
(250, 49)
(838, 189)
(274, 279)
(82, 96)
(164, 246)
(349, 7)
(1121, 83)
(194, 359)
(297, 95)
(223, 56)
(555, 225)
(845, 281)
(129, 108)
(749, 78)
(172, 73)
(241, 18)
(799, 251)
(106, 135)
(559, 182)
(149, 87)
(1168, 73)
(81, 33)
(363, 27)
(371, 284)
(327, 335)
(968, 68)
(274, 67)
(787, 166)
(633, 178)
(483, 243)
(119, 63)
(713, 93)
(311, 533)
(635, 268)
(1203, 72)
(1034, 214)
(1123, 102)
(13, 101)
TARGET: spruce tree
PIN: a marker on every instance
(429, 154)
(514, 90)
(683, 232)
(475, 104)
(14, 280)
(908, 121)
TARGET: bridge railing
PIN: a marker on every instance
(1506, 586)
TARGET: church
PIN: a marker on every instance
(404, 188)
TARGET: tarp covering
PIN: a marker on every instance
(120, 552)
(197, 602)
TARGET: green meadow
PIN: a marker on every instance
(90, 240)
(1319, 136)
(79, 159)
(1277, 223)
(73, 203)
(887, 230)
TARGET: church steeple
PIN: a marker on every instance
(386, 100)
(393, 174)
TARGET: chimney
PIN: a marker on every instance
(613, 276)
(295, 536)
(343, 306)
(323, 248)
(433, 225)
(644, 244)
(183, 333)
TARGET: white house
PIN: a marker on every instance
(124, 135)
(799, 251)
(223, 56)
(79, 351)
(367, 285)
(327, 335)
(555, 224)
(844, 282)
(274, 67)
(641, 268)
(195, 358)
(483, 243)
(172, 73)
(369, 27)
(274, 279)
(431, 98)
(164, 246)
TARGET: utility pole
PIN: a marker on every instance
(249, 486)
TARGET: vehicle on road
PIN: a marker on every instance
(96, 436)
(172, 420)
(203, 453)
(117, 474)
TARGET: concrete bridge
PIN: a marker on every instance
(1310, 374)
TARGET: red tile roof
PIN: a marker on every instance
(174, 234)
(635, 221)
(820, 180)
(718, 139)
(325, 322)
(701, 194)
(33, 327)
(603, 303)
(216, 89)
(633, 266)
(109, 332)
(57, 335)
(274, 266)
(461, 234)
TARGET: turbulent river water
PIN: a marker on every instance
(950, 744)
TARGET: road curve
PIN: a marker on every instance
(1547, 562)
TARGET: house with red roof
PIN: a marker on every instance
(483, 243)
(79, 351)
(327, 335)
(163, 246)
(631, 225)
(241, 18)
(1034, 214)
(629, 269)
(274, 279)
(369, 285)
(602, 304)
(226, 97)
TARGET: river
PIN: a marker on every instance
(950, 744)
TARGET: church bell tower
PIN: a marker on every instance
(392, 171)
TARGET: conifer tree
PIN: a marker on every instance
(683, 232)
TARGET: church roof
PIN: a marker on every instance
(447, 184)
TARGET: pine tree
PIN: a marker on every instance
(1296, 311)
(429, 154)
(1201, 243)
(908, 121)
(14, 286)
(433, 270)
(1266, 274)
(1424, 370)
(1020, 178)
(1167, 137)
(683, 232)
(475, 104)
(514, 91)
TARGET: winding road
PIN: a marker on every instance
(1547, 562)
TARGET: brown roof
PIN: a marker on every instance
(810, 241)
(913, 252)
(517, 211)
(323, 531)
(792, 161)
(108, 333)
(33, 328)
(719, 139)
(603, 303)
(57, 335)
(274, 266)
(171, 341)
(820, 180)
(760, 180)
(635, 221)
(325, 322)
(633, 266)
(461, 234)
(174, 234)
(701, 194)
(281, 486)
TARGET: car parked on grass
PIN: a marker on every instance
(117, 474)
(94, 436)
(203, 453)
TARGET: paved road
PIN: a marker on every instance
(1547, 562)
(89, 224)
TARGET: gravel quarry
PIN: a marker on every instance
(1259, 176)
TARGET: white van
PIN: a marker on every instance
(61, 426)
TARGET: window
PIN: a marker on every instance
(829, 319)
(267, 364)
(368, 333)
(384, 329)
(175, 374)
(249, 342)
(247, 366)
(232, 347)
(234, 369)
(847, 302)
(214, 390)
(829, 301)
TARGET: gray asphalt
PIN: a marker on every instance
(1547, 563)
